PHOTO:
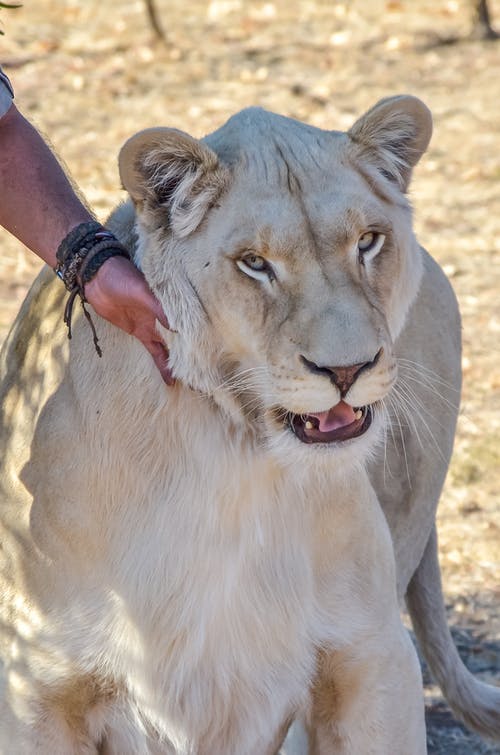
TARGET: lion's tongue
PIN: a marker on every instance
(339, 415)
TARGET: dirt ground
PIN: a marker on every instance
(90, 74)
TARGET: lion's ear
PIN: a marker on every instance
(393, 135)
(172, 177)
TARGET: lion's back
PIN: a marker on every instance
(31, 365)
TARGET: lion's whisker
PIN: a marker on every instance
(417, 401)
(403, 444)
(405, 405)
(410, 406)
(430, 374)
(432, 390)
(387, 427)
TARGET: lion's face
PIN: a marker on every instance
(285, 259)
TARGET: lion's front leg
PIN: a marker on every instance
(368, 700)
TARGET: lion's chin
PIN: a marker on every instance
(338, 424)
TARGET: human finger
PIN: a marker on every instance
(160, 357)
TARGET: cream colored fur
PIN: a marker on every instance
(180, 574)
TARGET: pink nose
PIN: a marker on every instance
(343, 377)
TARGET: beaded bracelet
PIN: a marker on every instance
(79, 257)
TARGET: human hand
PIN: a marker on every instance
(120, 294)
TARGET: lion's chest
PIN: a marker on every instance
(221, 617)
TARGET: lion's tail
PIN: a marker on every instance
(475, 703)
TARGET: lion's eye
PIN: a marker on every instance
(256, 267)
(369, 244)
(255, 262)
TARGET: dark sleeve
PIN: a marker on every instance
(6, 93)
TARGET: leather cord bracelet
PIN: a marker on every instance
(79, 257)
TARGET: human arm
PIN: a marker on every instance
(39, 206)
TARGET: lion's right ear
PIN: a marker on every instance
(171, 176)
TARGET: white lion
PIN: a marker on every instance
(188, 569)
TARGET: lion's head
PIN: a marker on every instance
(286, 262)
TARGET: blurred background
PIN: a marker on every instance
(90, 73)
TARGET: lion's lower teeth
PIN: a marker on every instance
(309, 425)
(358, 414)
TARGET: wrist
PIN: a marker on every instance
(80, 256)
(82, 252)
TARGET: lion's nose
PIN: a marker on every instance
(343, 377)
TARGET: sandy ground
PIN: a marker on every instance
(90, 74)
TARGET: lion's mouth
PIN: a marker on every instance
(341, 422)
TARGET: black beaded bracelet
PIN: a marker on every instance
(72, 250)
(79, 257)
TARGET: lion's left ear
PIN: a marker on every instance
(393, 135)
(171, 177)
